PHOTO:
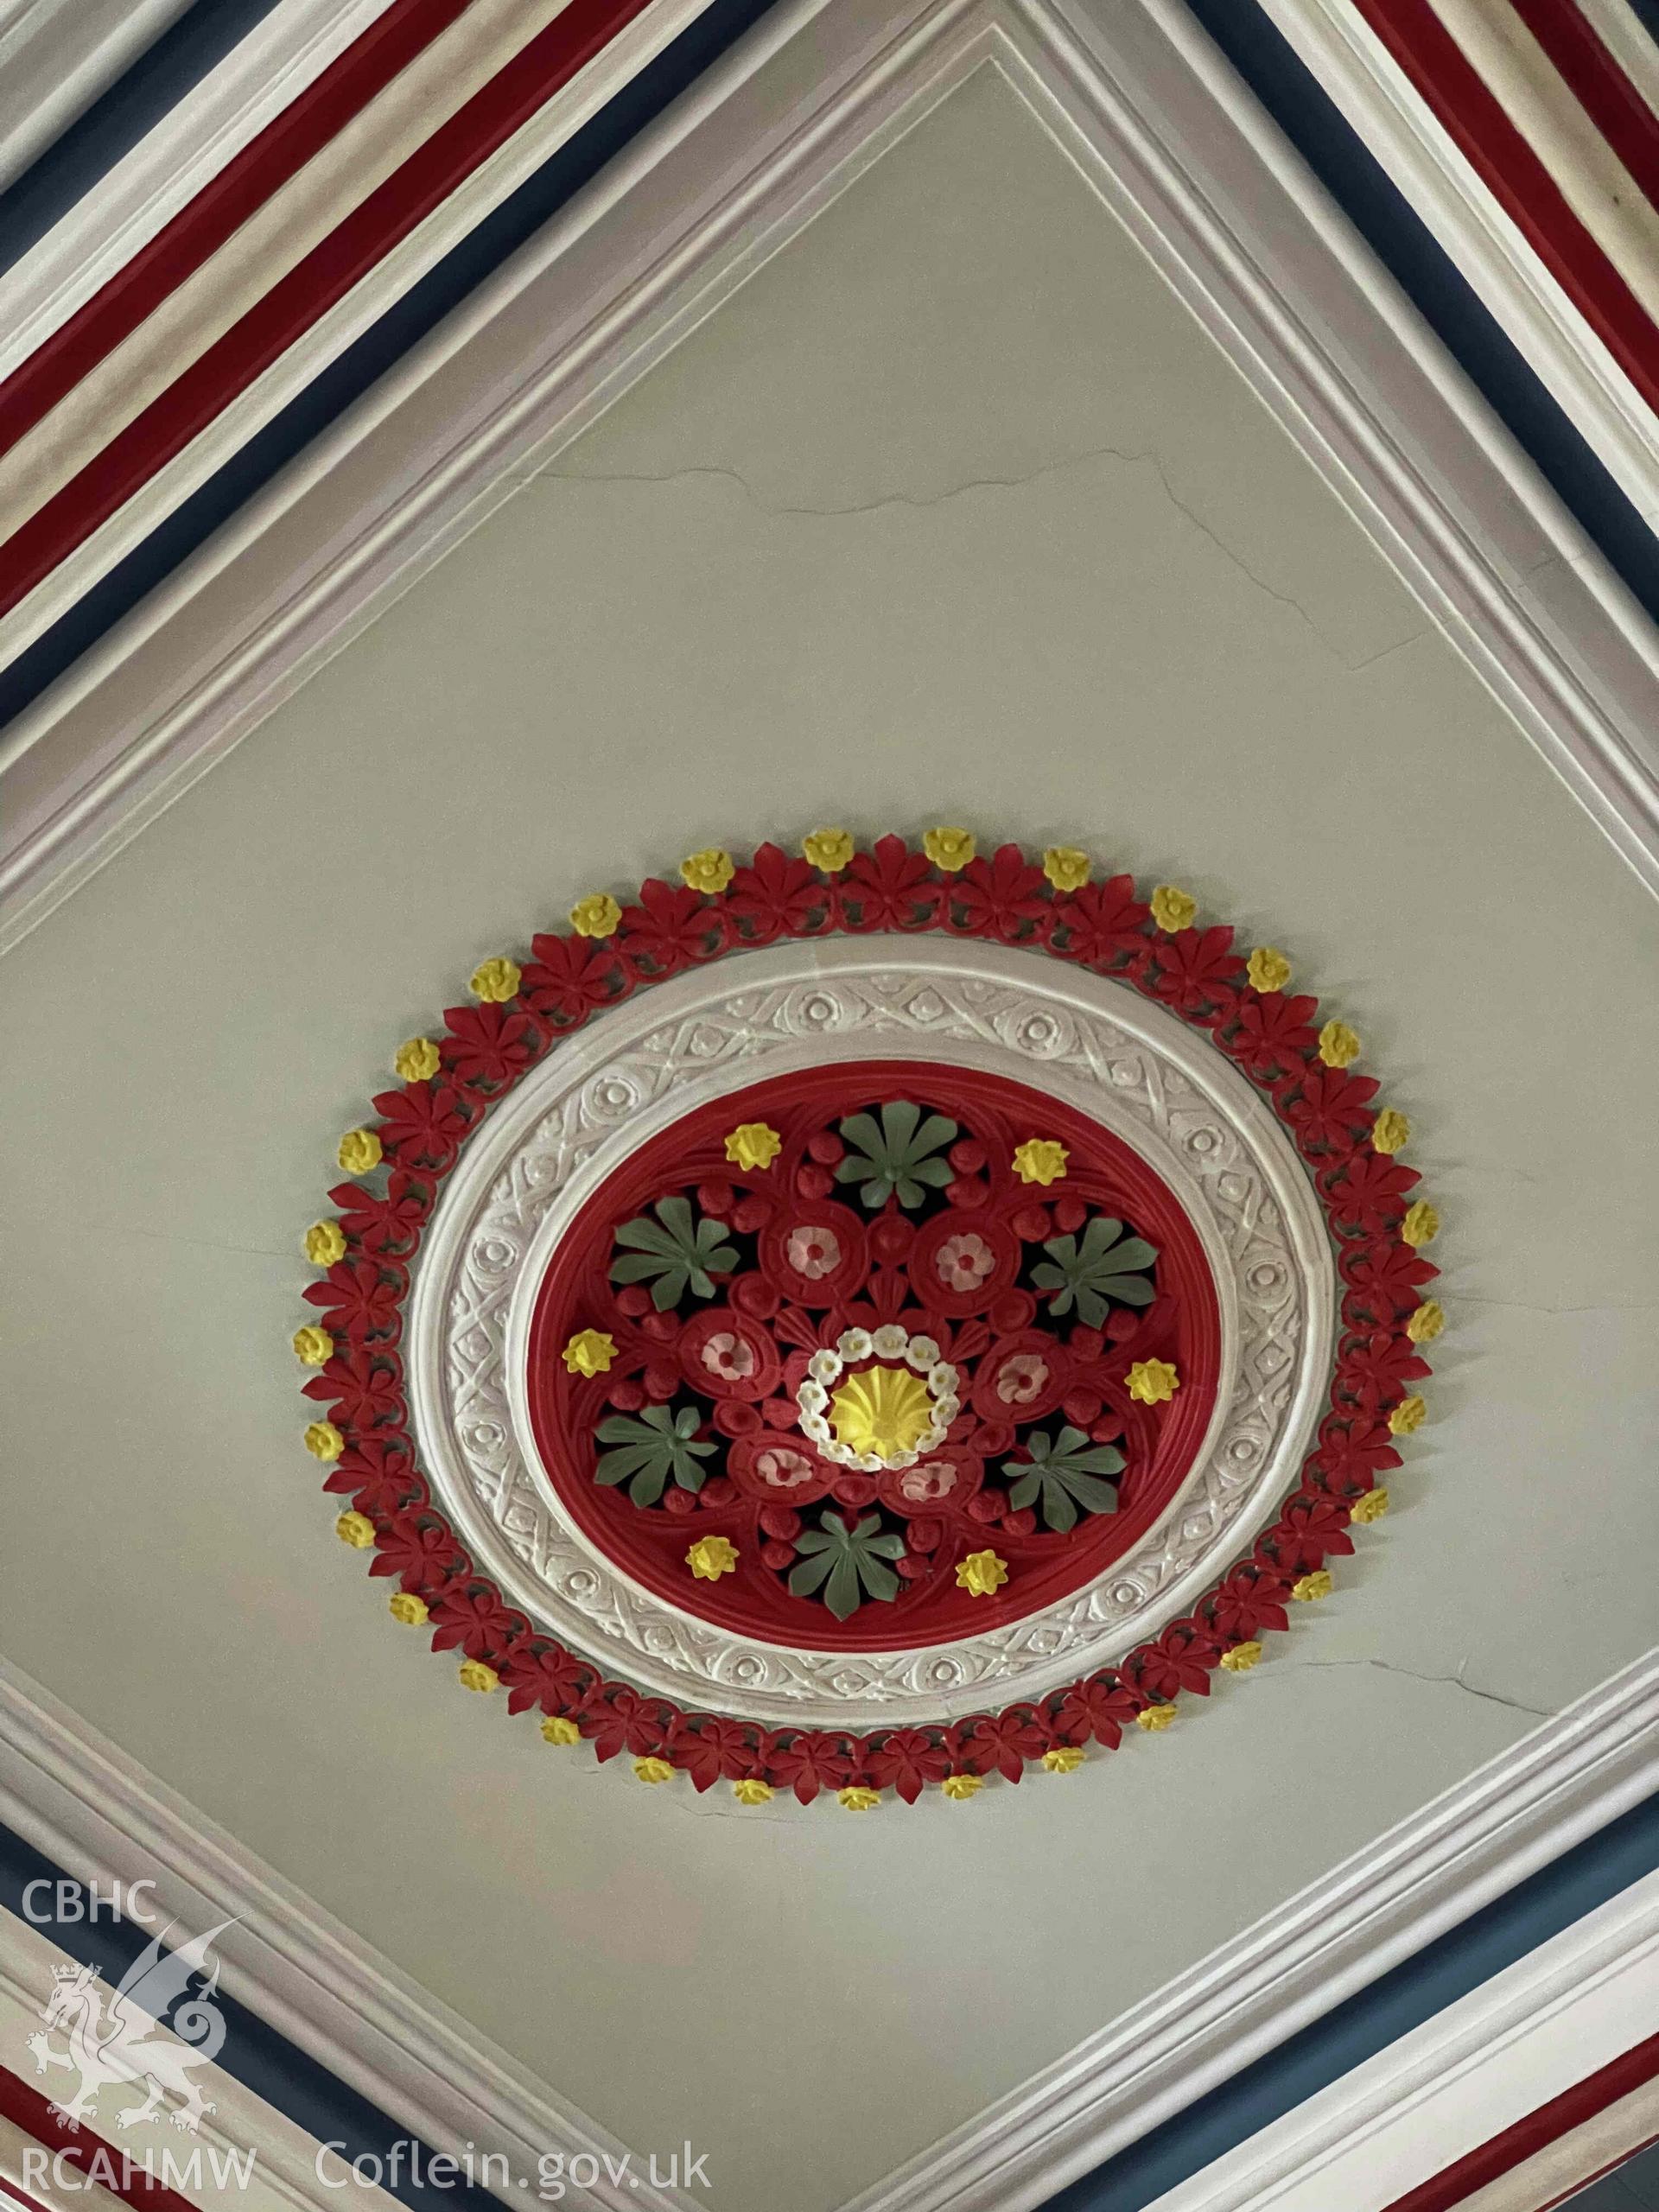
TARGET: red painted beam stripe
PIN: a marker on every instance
(1446, 2189)
(309, 288)
(1599, 85)
(25, 2107)
(242, 187)
(1436, 64)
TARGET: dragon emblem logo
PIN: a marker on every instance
(118, 2044)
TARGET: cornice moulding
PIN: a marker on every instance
(1380, 101)
(1550, 1790)
(57, 57)
(494, 179)
(1539, 2028)
(1135, 96)
(1615, 25)
(118, 215)
(98, 1815)
(284, 2175)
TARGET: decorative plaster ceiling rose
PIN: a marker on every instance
(923, 1237)
(633, 1077)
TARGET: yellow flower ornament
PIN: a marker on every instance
(325, 1243)
(355, 1529)
(360, 1152)
(1310, 1588)
(751, 1145)
(324, 1441)
(1040, 1160)
(1422, 1225)
(711, 1557)
(653, 1770)
(829, 850)
(1408, 1415)
(1338, 1044)
(409, 1609)
(1064, 1759)
(961, 1787)
(1239, 1658)
(1427, 1322)
(313, 1347)
(1153, 1382)
(474, 1675)
(597, 915)
(417, 1060)
(982, 1573)
(1267, 968)
(749, 1790)
(558, 1731)
(949, 848)
(1066, 869)
(1389, 1131)
(496, 981)
(709, 871)
(1371, 1507)
(590, 1352)
(855, 1798)
(1155, 1718)
(1174, 909)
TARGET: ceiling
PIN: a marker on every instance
(951, 511)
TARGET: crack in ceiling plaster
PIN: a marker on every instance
(1451, 1681)
(1092, 454)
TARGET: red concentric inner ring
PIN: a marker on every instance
(1034, 1295)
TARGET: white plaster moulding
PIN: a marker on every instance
(1475, 2070)
(284, 2176)
(1594, 2149)
(264, 72)
(205, 302)
(1137, 98)
(1616, 23)
(1134, 1068)
(1550, 1790)
(98, 1815)
(1389, 419)
(95, 1812)
(56, 57)
(403, 265)
(1584, 165)
(1491, 250)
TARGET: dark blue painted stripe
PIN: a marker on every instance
(113, 124)
(346, 380)
(253, 2053)
(1414, 1992)
(1380, 212)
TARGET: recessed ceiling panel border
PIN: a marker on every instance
(1139, 100)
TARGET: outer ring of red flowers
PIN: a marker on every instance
(1103, 927)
